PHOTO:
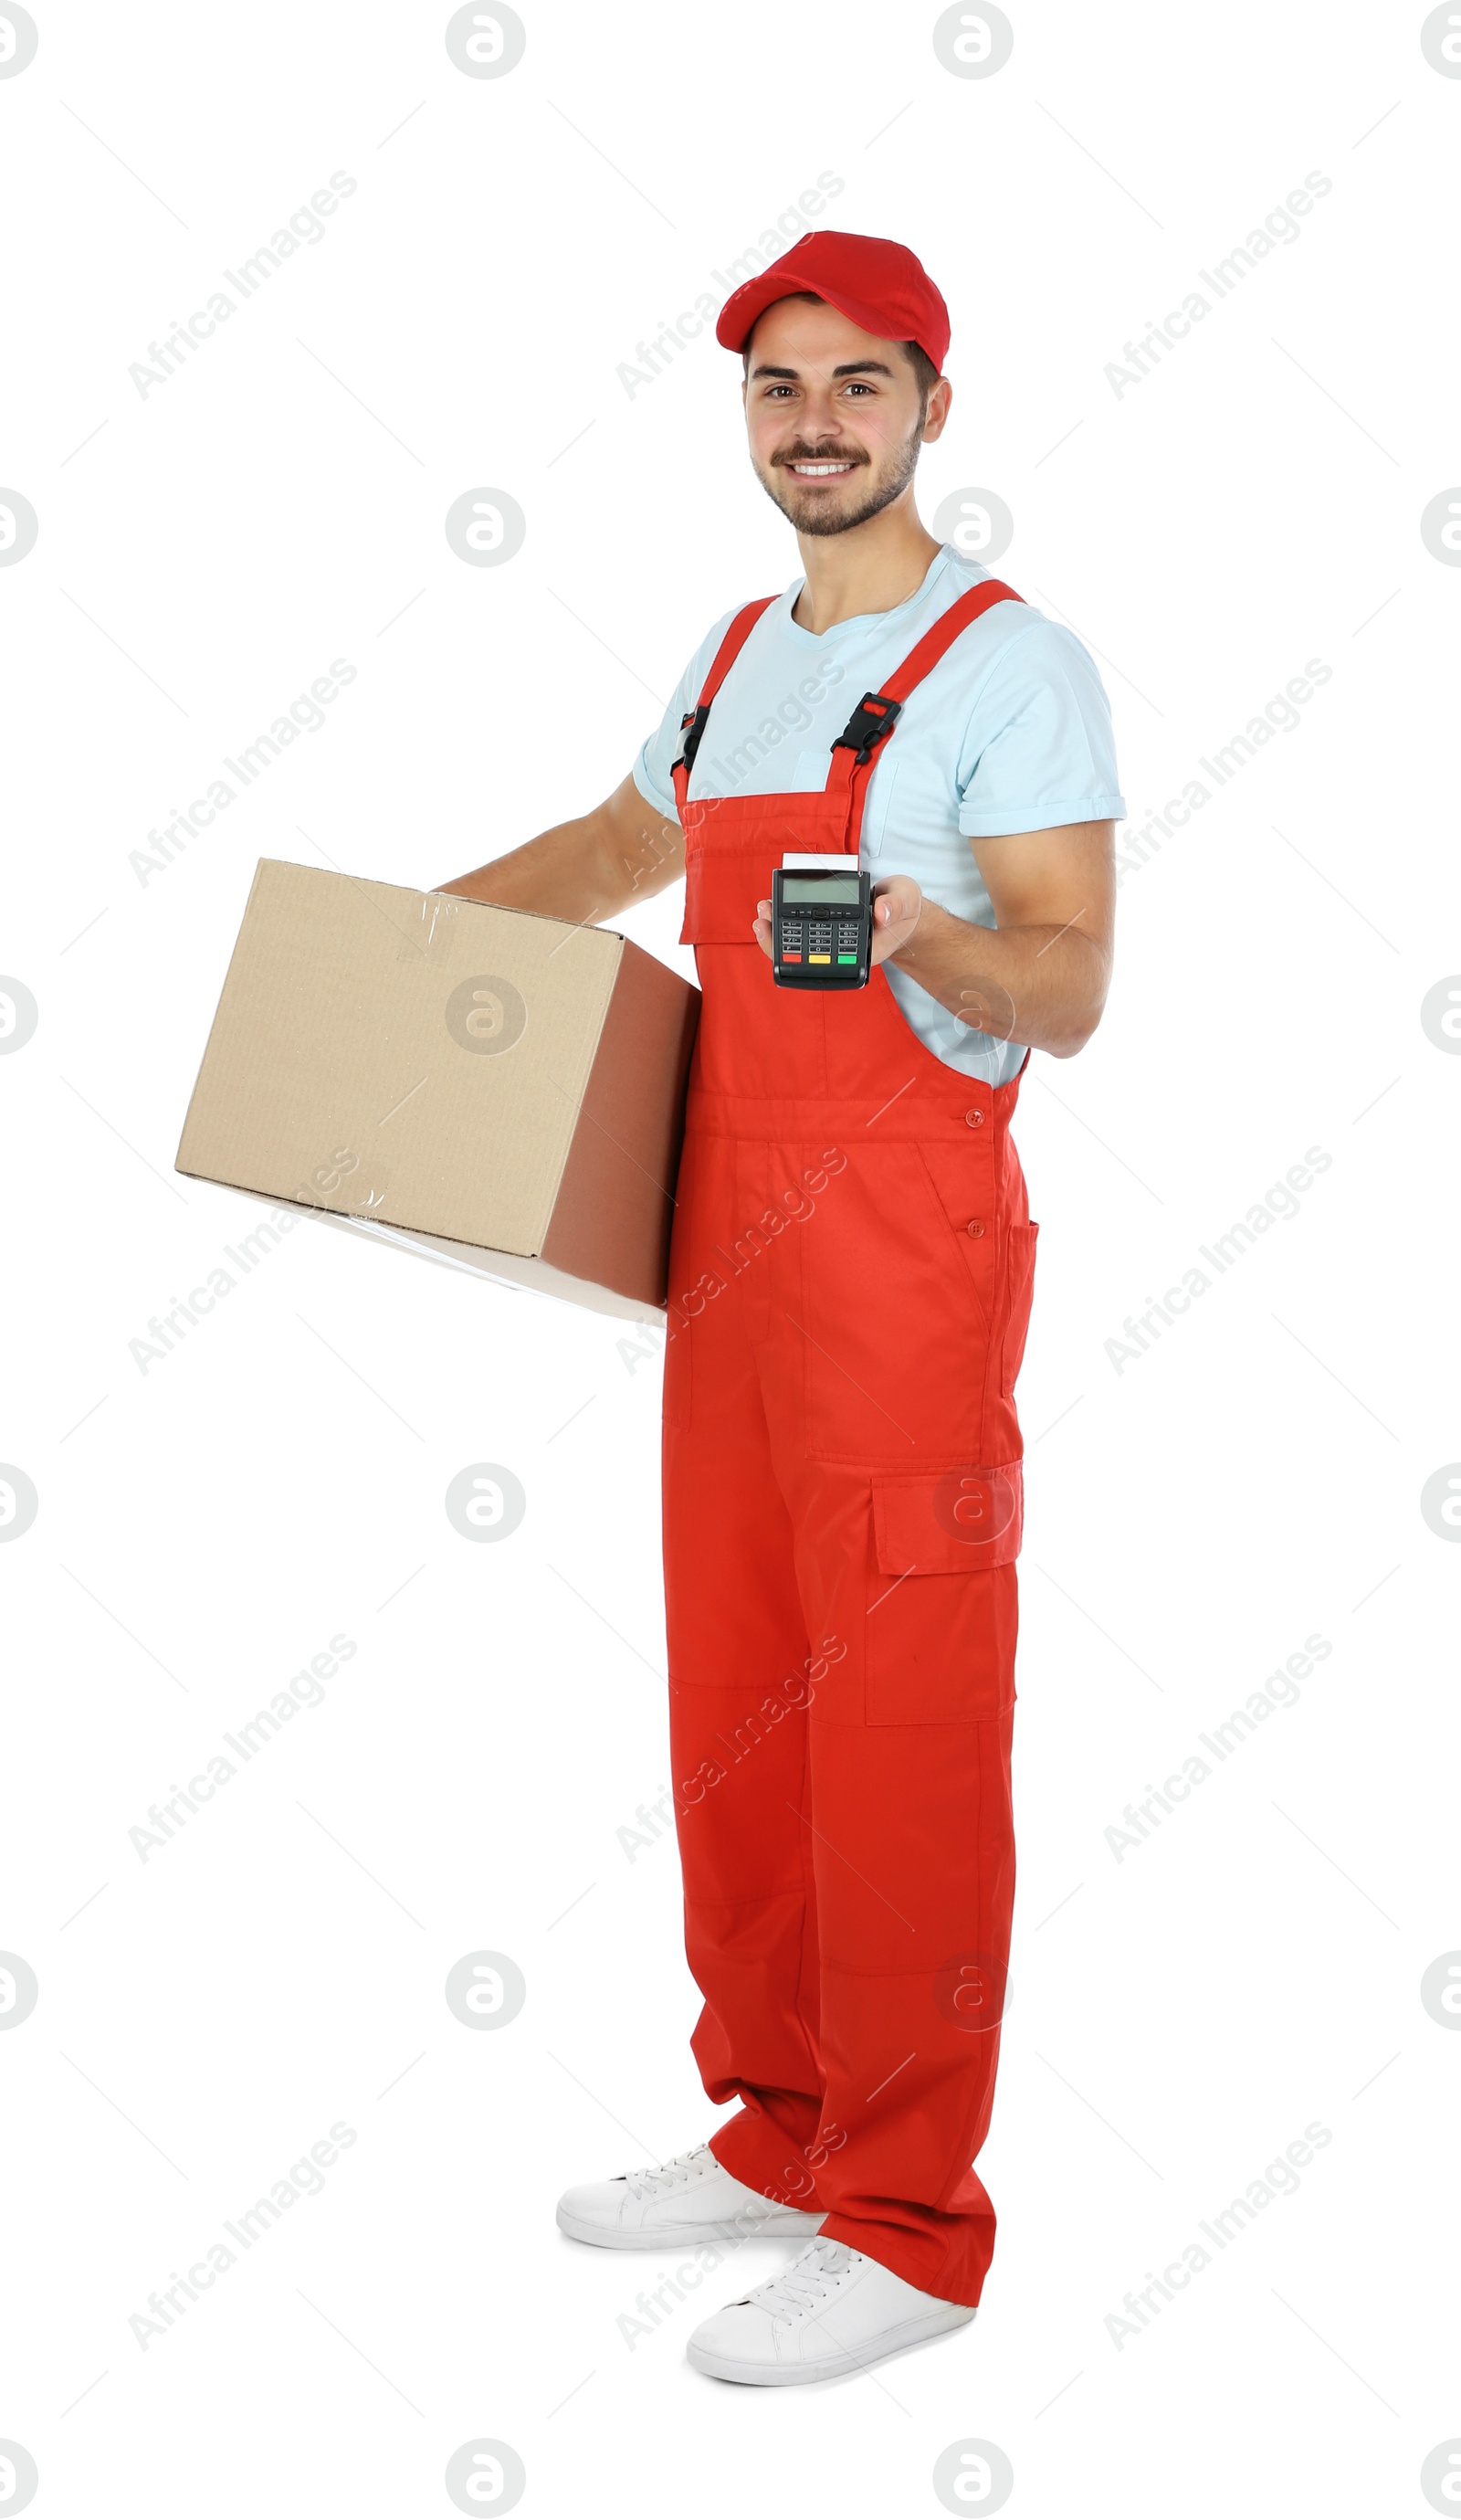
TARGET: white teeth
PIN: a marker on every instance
(821, 467)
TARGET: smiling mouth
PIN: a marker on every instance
(826, 472)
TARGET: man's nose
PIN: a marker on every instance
(820, 410)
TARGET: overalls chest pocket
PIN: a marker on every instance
(733, 844)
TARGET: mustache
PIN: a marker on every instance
(801, 453)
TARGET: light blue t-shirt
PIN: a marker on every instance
(1011, 731)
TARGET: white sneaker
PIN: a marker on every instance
(831, 2310)
(690, 2198)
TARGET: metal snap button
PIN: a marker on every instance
(976, 1225)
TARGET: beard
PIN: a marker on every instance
(812, 512)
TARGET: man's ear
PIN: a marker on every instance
(936, 417)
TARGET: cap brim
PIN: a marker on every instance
(738, 317)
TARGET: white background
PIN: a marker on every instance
(204, 1527)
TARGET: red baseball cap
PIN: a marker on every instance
(871, 280)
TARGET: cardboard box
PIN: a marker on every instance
(501, 1092)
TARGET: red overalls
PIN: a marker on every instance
(851, 1271)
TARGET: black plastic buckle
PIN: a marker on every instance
(874, 716)
(693, 728)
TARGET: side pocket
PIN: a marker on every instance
(1021, 1243)
(941, 1609)
(962, 1192)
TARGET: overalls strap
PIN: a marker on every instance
(693, 725)
(877, 713)
(934, 642)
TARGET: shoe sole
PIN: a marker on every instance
(784, 2223)
(857, 2358)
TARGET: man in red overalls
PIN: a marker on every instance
(849, 1283)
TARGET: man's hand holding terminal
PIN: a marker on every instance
(1042, 976)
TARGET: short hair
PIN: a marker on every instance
(924, 369)
(925, 373)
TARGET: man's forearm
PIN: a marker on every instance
(588, 869)
(564, 872)
(1041, 985)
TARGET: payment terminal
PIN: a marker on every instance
(821, 922)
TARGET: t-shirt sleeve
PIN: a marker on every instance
(1037, 750)
(660, 750)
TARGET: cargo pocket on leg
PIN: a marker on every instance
(941, 1611)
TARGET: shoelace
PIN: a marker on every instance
(810, 2280)
(669, 2173)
